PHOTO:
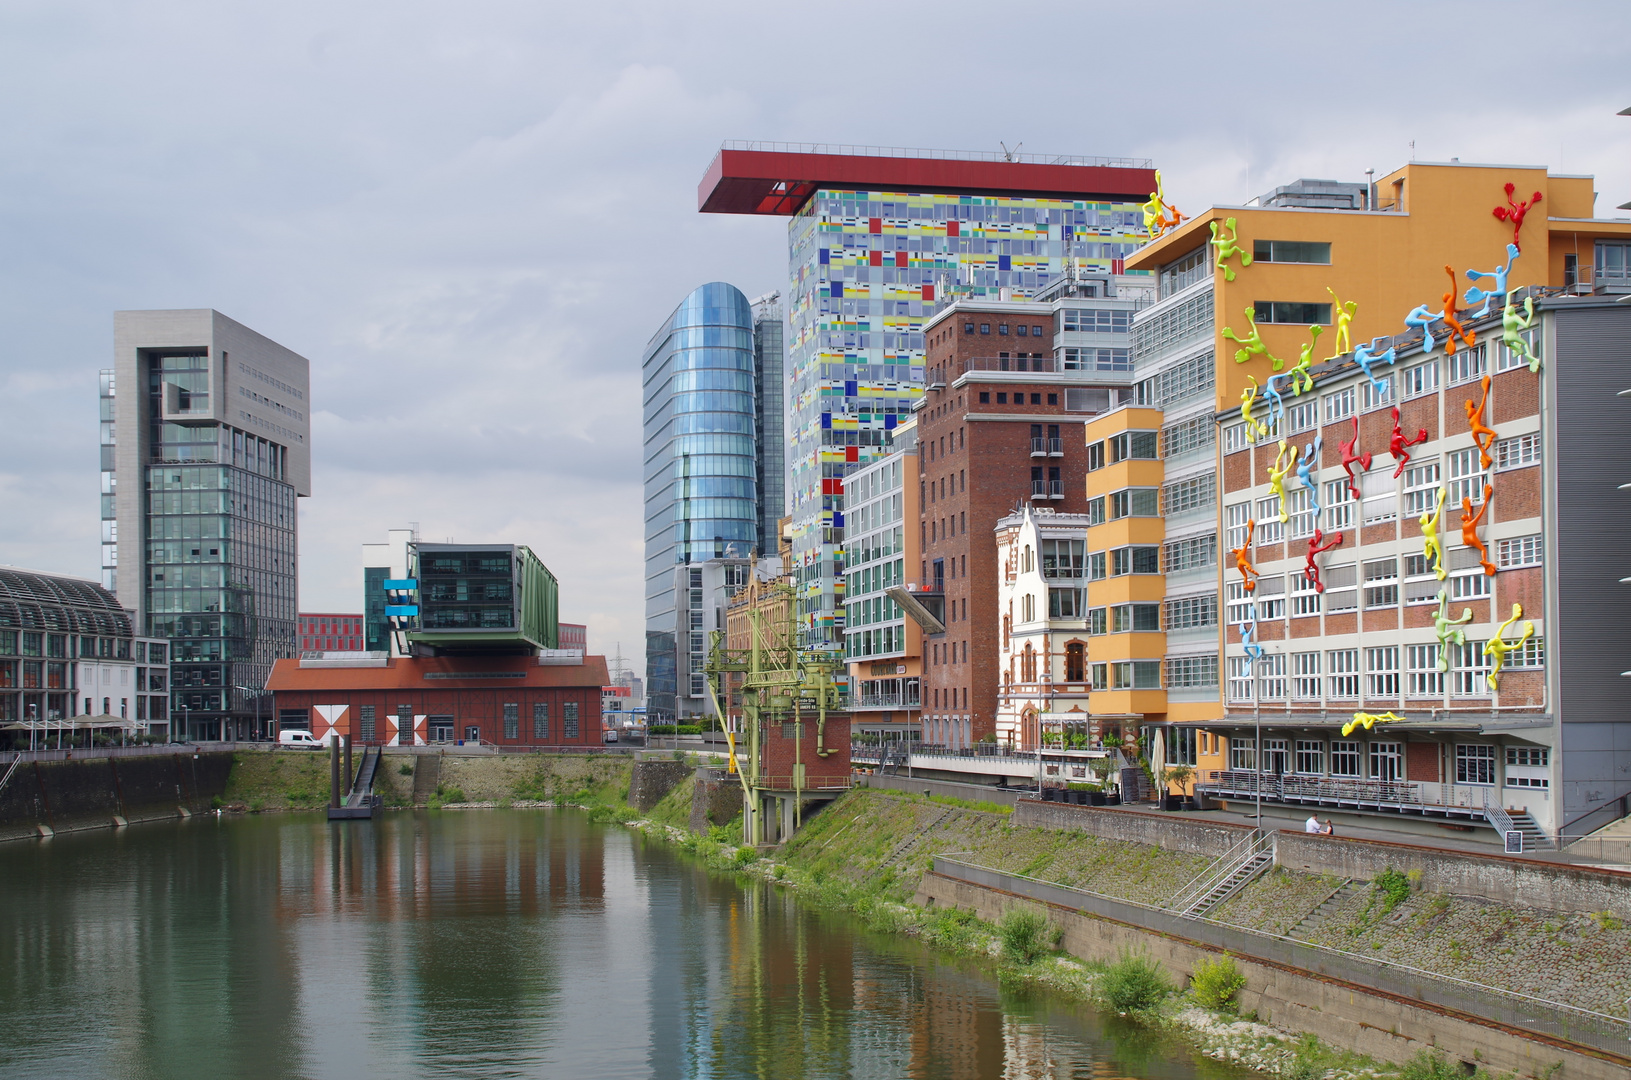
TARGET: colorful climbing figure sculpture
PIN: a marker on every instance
(1432, 546)
(1302, 375)
(1252, 344)
(1255, 429)
(1482, 433)
(1366, 355)
(1420, 316)
(1248, 637)
(1468, 337)
(1345, 318)
(1448, 630)
(1469, 529)
(1498, 647)
(1306, 468)
(1399, 446)
(1277, 476)
(1277, 405)
(1349, 456)
(1498, 275)
(1512, 211)
(1368, 721)
(1512, 327)
(1317, 545)
(1160, 216)
(1243, 559)
(1229, 246)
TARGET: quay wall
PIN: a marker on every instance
(100, 792)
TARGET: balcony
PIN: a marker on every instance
(1413, 798)
(1047, 489)
(1051, 365)
(886, 701)
(1047, 447)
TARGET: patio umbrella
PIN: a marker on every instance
(1158, 759)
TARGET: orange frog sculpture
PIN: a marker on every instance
(1482, 433)
(1469, 529)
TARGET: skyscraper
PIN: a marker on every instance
(769, 358)
(206, 445)
(876, 239)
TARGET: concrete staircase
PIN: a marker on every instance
(427, 774)
(1227, 875)
(916, 838)
(1322, 911)
(1534, 837)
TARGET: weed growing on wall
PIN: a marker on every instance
(1216, 982)
(1134, 983)
(1027, 935)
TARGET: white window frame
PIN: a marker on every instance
(1339, 405)
(1423, 679)
(1370, 398)
(1469, 670)
(1467, 365)
(1240, 678)
(1342, 675)
(1300, 505)
(1338, 506)
(1465, 477)
(1310, 757)
(1346, 758)
(1269, 529)
(1305, 676)
(1517, 452)
(1421, 484)
(1234, 521)
(1382, 679)
(1304, 599)
(1475, 764)
(1419, 379)
(1519, 551)
(1302, 416)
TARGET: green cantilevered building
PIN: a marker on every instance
(482, 598)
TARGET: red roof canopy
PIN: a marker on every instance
(438, 673)
(779, 182)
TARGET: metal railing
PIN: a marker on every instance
(1047, 489)
(852, 150)
(1474, 1001)
(886, 701)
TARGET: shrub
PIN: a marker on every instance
(1216, 982)
(1430, 1066)
(405, 769)
(1394, 887)
(1133, 983)
(1026, 935)
(745, 854)
(447, 794)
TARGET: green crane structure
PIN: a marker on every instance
(783, 688)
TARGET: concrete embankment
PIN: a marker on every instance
(1388, 974)
(43, 797)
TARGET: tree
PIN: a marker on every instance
(1181, 775)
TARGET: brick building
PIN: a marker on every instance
(515, 702)
(1009, 385)
(326, 631)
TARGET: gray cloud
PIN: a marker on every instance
(471, 218)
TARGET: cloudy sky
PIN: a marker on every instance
(471, 216)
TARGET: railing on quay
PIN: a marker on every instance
(148, 750)
(1474, 1001)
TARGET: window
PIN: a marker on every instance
(1101, 676)
(985, 328)
(1310, 757)
(1135, 560)
(369, 731)
(1418, 380)
(1271, 672)
(1422, 676)
(1239, 603)
(1304, 600)
(1095, 456)
(1134, 502)
(1242, 754)
(985, 397)
(1381, 494)
(512, 721)
(1467, 477)
(1096, 621)
(1136, 675)
(1471, 584)
(1269, 529)
(1191, 612)
(1234, 521)
(1382, 673)
(1191, 379)
(1613, 263)
(1133, 444)
(1376, 395)
(1234, 438)
(1468, 365)
(1271, 597)
(1140, 618)
(1469, 670)
(1339, 405)
(1421, 489)
(1182, 273)
(1291, 312)
(1339, 505)
(1095, 320)
(1182, 496)
(1386, 760)
(1300, 507)
(1192, 672)
(1342, 675)
(1187, 436)
(1517, 452)
(1002, 328)
(1474, 764)
(1194, 553)
(1532, 655)
(1064, 558)
(1305, 676)
(540, 721)
(1095, 566)
(1064, 603)
(1074, 358)
(569, 720)
(1095, 511)
(1518, 551)
(1344, 759)
(1291, 251)
(1181, 746)
(1302, 416)
(1531, 756)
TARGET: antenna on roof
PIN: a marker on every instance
(1007, 154)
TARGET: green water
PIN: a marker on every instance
(483, 944)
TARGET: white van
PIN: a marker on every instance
(299, 738)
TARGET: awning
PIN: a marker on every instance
(79, 723)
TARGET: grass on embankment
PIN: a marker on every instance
(865, 853)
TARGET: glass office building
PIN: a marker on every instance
(206, 448)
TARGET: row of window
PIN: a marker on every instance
(1335, 675)
(62, 646)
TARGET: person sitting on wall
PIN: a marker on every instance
(1330, 829)
(1312, 825)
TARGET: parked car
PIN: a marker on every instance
(298, 738)
(610, 735)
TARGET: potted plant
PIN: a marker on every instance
(1180, 775)
(1102, 768)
